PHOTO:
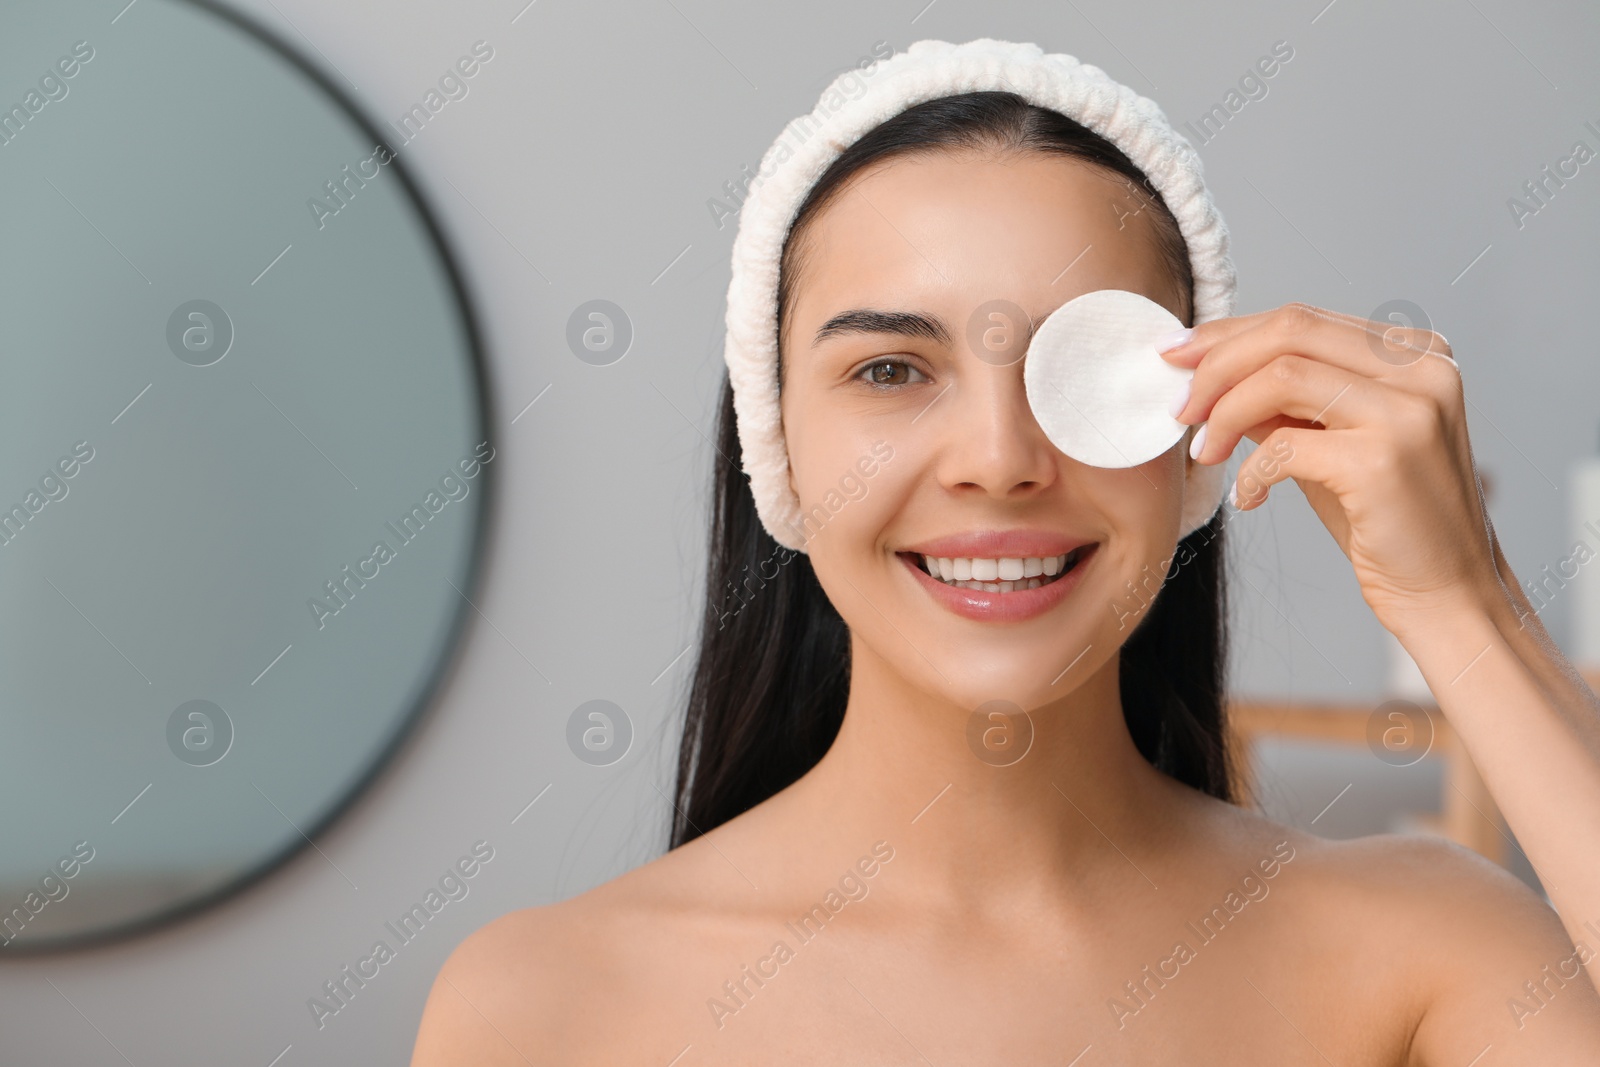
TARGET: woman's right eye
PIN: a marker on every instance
(883, 373)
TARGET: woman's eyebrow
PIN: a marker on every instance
(871, 320)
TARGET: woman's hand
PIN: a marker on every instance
(1368, 419)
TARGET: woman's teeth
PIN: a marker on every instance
(1000, 575)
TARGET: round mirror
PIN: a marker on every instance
(245, 459)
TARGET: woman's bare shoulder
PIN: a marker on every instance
(1414, 885)
(1474, 957)
(1496, 966)
(1403, 886)
(526, 982)
(1462, 953)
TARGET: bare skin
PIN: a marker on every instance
(1007, 910)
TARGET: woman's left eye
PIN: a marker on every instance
(885, 372)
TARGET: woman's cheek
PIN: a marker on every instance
(1141, 508)
(842, 484)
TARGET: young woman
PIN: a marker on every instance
(879, 858)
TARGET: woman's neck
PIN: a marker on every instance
(906, 768)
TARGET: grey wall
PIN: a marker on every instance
(1377, 167)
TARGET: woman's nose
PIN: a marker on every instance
(992, 440)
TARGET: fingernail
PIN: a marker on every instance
(1198, 443)
(1173, 339)
(1233, 494)
(1181, 400)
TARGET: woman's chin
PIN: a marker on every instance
(1012, 678)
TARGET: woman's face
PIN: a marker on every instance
(908, 426)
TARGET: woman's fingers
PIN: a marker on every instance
(1226, 351)
(1302, 389)
(1284, 453)
(1318, 460)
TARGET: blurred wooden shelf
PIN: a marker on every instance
(1468, 814)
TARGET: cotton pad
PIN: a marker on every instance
(1096, 383)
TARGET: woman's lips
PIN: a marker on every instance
(1015, 606)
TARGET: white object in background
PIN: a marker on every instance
(1096, 384)
(1405, 680)
(1584, 524)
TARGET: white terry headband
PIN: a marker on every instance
(926, 70)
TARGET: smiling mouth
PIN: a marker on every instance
(999, 575)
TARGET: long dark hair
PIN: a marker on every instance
(773, 674)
